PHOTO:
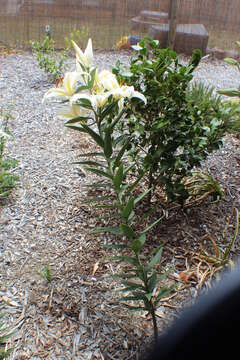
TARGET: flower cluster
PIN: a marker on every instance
(86, 89)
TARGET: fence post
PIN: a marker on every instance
(172, 23)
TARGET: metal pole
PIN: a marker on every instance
(172, 23)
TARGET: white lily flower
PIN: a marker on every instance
(108, 80)
(85, 58)
(96, 100)
(127, 92)
(72, 111)
(68, 86)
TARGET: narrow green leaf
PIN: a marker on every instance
(118, 178)
(138, 243)
(134, 308)
(99, 172)
(115, 246)
(124, 276)
(85, 103)
(164, 291)
(133, 284)
(128, 208)
(76, 127)
(120, 155)
(112, 230)
(152, 281)
(97, 138)
(131, 187)
(108, 144)
(108, 110)
(81, 88)
(88, 162)
(155, 260)
(92, 154)
(152, 225)
(148, 296)
(133, 298)
(78, 119)
(128, 259)
(127, 231)
(99, 185)
(141, 196)
(126, 171)
(92, 78)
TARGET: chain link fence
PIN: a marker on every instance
(106, 21)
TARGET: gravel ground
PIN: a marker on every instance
(46, 222)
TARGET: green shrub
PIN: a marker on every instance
(175, 131)
(50, 60)
(78, 35)
(7, 179)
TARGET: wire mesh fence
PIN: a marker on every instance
(106, 21)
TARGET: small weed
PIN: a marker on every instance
(5, 334)
(7, 179)
(46, 273)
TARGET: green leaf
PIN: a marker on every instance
(108, 110)
(111, 230)
(124, 276)
(91, 154)
(128, 208)
(127, 231)
(152, 225)
(130, 260)
(78, 119)
(92, 78)
(118, 178)
(141, 196)
(76, 127)
(99, 172)
(229, 92)
(137, 297)
(155, 260)
(134, 308)
(164, 291)
(132, 285)
(152, 281)
(115, 246)
(81, 88)
(132, 186)
(120, 155)
(108, 144)
(126, 171)
(85, 103)
(88, 162)
(93, 135)
(138, 243)
(148, 296)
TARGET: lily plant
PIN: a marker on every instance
(94, 102)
